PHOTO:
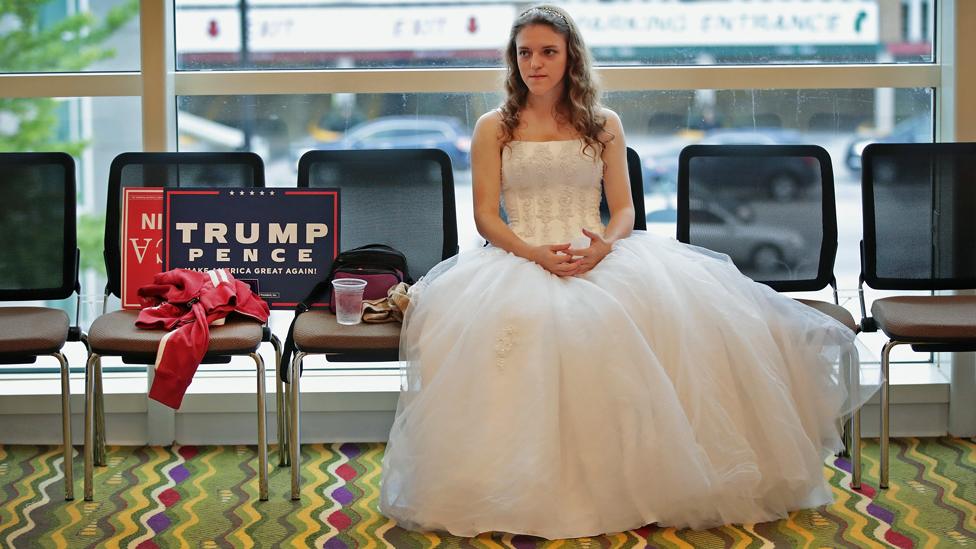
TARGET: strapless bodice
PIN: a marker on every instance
(551, 189)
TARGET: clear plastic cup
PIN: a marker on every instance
(349, 300)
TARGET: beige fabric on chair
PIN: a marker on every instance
(922, 318)
(32, 330)
(839, 313)
(115, 333)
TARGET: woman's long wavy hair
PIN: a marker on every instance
(579, 103)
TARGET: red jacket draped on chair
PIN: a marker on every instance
(187, 303)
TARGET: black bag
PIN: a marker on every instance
(380, 265)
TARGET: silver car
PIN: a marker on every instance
(753, 247)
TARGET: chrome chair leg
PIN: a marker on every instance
(262, 430)
(295, 430)
(286, 389)
(854, 424)
(99, 416)
(885, 420)
(69, 470)
(856, 449)
(280, 413)
(844, 423)
(89, 423)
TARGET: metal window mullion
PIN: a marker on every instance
(945, 51)
(158, 64)
(158, 134)
(158, 84)
(613, 79)
(956, 120)
(70, 85)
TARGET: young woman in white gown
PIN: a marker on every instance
(565, 392)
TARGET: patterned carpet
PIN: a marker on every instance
(207, 497)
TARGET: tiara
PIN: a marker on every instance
(548, 11)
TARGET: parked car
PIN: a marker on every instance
(917, 129)
(762, 248)
(780, 178)
(408, 132)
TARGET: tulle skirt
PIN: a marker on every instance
(661, 387)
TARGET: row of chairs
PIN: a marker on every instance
(388, 196)
(41, 261)
(918, 207)
(392, 196)
(401, 197)
(929, 185)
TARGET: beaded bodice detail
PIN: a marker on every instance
(551, 189)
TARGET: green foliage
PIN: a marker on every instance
(29, 44)
(69, 44)
(91, 233)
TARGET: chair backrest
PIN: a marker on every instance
(400, 197)
(171, 169)
(769, 207)
(635, 174)
(919, 214)
(636, 188)
(38, 246)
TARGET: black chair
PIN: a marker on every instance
(402, 198)
(115, 334)
(634, 172)
(919, 206)
(39, 262)
(791, 248)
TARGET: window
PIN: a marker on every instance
(220, 34)
(672, 86)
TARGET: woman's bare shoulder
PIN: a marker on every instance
(611, 117)
(488, 126)
(490, 120)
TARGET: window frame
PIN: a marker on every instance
(158, 84)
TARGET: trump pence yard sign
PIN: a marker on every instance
(281, 241)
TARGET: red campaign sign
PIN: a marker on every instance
(142, 236)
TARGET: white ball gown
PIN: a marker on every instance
(663, 386)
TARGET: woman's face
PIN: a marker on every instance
(541, 53)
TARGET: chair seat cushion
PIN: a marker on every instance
(934, 319)
(115, 334)
(833, 310)
(32, 330)
(318, 332)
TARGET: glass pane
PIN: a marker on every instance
(58, 36)
(89, 129)
(658, 125)
(321, 33)
(282, 127)
(724, 194)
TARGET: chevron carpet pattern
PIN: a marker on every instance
(206, 497)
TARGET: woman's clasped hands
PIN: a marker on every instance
(564, 260)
